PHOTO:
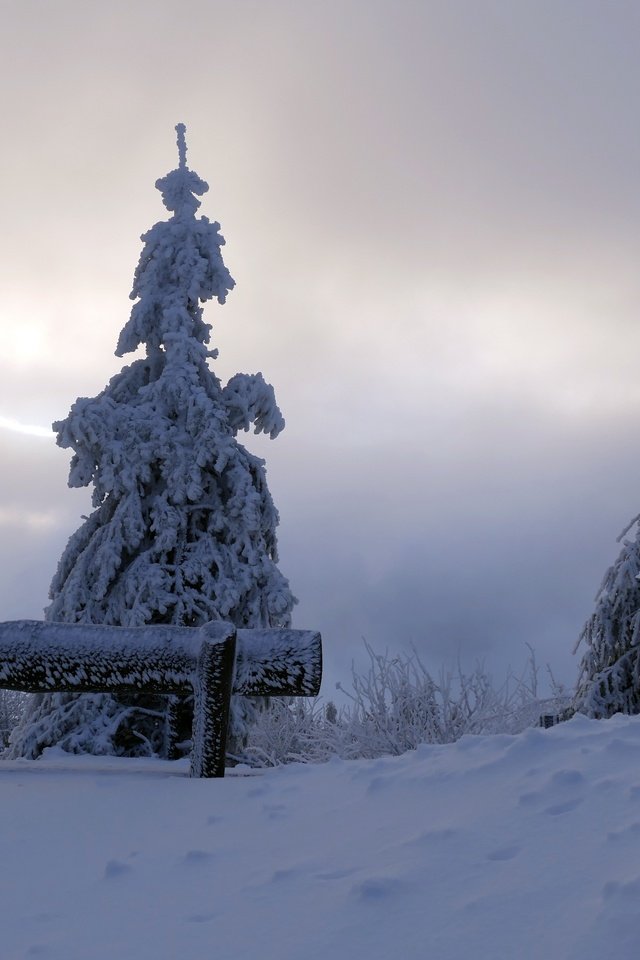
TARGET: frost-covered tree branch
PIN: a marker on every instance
(251, 400)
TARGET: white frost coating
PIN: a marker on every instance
(184, 528)
(292, 658)
(41, 656)
(250, 400)
(609, 680)
(75, 654)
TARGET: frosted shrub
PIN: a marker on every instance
(291, 730)
(393, 706)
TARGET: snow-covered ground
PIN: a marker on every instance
(493, 848)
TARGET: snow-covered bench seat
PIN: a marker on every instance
(211, 662)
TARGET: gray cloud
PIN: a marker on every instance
(433, 217)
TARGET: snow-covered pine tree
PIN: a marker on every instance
(609, 679)
(183, 529)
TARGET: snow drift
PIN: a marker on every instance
(495, 847)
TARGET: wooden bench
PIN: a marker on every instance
(212, 662)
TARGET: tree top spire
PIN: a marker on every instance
(179, 186)
(182, 145)
(180, 268)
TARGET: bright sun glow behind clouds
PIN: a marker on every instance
(30, 429)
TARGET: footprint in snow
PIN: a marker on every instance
(615, 890)
(116, 868)
(336, 874)
(558, 808)
(194, 857)
(633, 829)
(504, 853)
(275, 811)
(379, 783)
(293, 872)
(567, 778)
(374, 889)
(529, 799)
(614, 929)
(559, 784)
(429, 837)
(286, 873)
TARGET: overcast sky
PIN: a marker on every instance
(432, 213)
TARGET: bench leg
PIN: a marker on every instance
(212, 697)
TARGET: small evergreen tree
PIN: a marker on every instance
(609, 679)
(183, 529)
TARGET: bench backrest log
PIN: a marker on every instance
(212, 662)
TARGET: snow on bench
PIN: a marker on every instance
(212, 662)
